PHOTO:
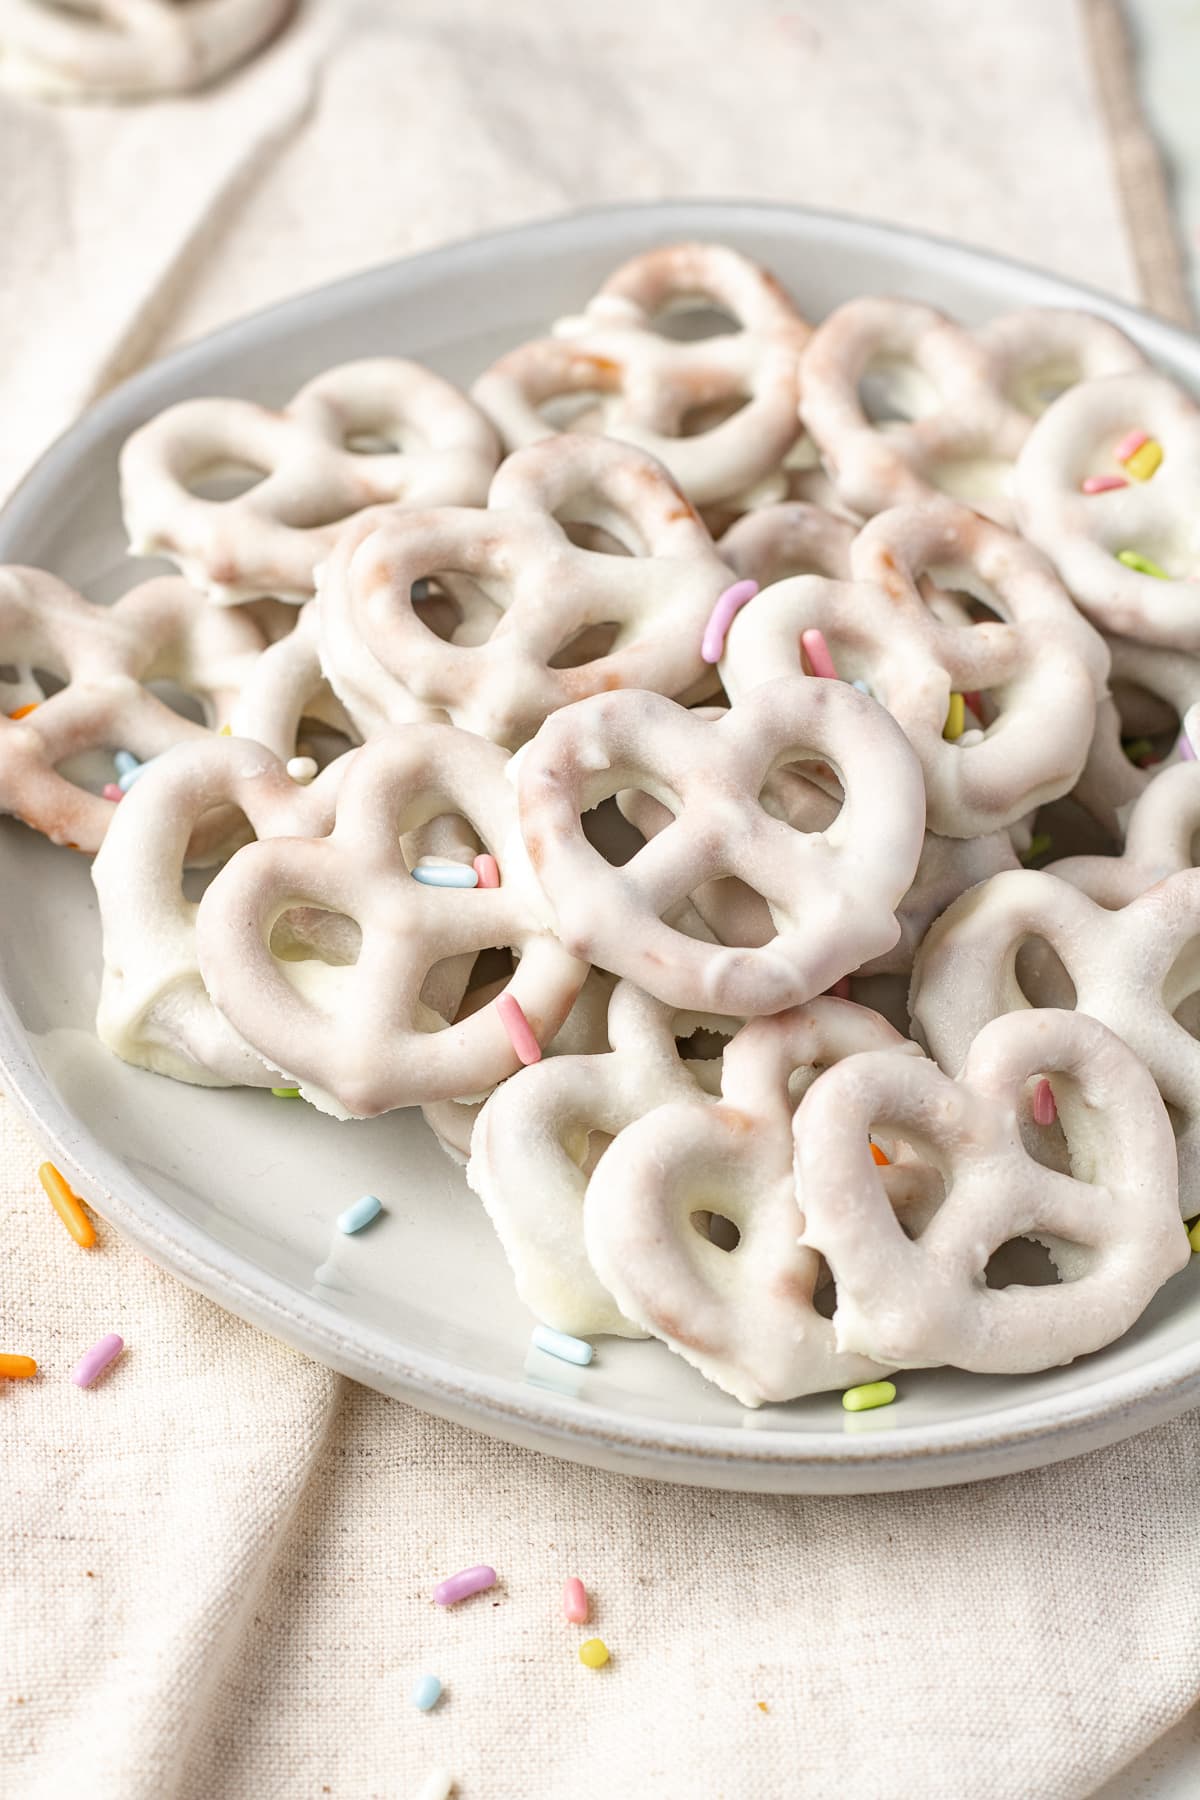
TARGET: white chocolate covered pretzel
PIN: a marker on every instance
(542, 1132)
(1038, 668)
(1133, 969)
(374, 1042)
(106, 656)
(1151, 522)
(126, 49)
(958, 406)
(1111, 1225)
(719, 412)
(831, 894)
(1162, 836)
(318, 465)
(549, 595)
(743, 1316)
(285, 687)
(154, 1011)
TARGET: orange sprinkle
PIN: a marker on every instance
(882, 1161)
(762, 1706)
(23, 712)
(17, 1368)
(68, 1206)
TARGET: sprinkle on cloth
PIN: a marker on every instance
(817, 651)
(437, 1785)
(1045, 1110)
(729, 604)
(593, 1654)
(1103, 484)
(520, 1032)
(361, 1213)
(464, 1584)
(17, 1368)
(68, 1206)
(574, 1601)
(868, 1396)
(446, 875)
(1141, 565)
(956, 719)
(558, 1343)
(488, 870)
(427, 1691)
(93, 1362)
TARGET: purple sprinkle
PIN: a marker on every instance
(464, 1584)
(1184, 747)
(93, 1362)
(729, 604)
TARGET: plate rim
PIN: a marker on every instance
(1031, 1433)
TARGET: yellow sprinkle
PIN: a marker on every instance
(872, 1393)
(1145, 460)
(1141, 565)
(225, 731)
(594, 1653)
(955, 719)
(762, 1706)
(1194, 1236)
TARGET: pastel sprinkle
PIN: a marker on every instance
(360, 1214)
(446, 875)
(817, 651)
(126, 781)
(1194, 1236)
(558, 1343)
(574, 1601)
(593, 1653)
(880, 1160)
(464, 1584)
(17, 1368)
(286, 1093)
(869, 1395)
(520, 1033)
(302, 769)
(861, 685)
(973, 701)
(23, 712)
(729, 604)
(1039, 843)
(1133, 559)
(225, 731)
(762, 1706)
(1130, 444)
(437, 1785)
(67, 1205)
(93, 1362)
(1045, 1109)
(1144, 462)
(1103, 484)
(112, 792)
(1185, 747)
(125, 760)
(955, 719)
(1138, 750)
(427, 1691)
(488, 870)
(840, 989)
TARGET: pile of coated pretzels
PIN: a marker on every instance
(635, 765)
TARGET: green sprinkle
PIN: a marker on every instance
(1194, 1236)
(1039, 843)
(286, 1093)
(1133, 559)
(1136, 749)
(872, 1393)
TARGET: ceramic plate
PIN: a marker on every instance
(423, 1307)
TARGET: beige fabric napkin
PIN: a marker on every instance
(217, 1563)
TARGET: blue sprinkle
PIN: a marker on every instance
(451, 875)
(862, 687)
(125, 761)
(360, 1214)
(126, 781)
(426, 1693)
(557, 1343)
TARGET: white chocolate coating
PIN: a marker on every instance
(1162, 838)
(1112, 1226)
(128, 49)
(719, 412)
(269, 539)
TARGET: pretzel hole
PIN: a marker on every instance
(588, 644)
(688, 320)
(716, 1229)
(455, 609)
(10, 675)
(1021, 1262)
(315, 934)
(375, 440)
(601, 540)
(694, 421)
(1038, 386)
(581, 409)
(894, 392)
(1181, 987)
(1042, 975)
(703, 1044)
(610, 833)
(225, 480)
(586, 1148)
(180, 701)
(806, 795)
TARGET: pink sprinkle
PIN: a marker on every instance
(1130, 444)
(974, 703)
(1044, 1110)
(575, 1601)
(464, 1584)
(1103, 484)
(112, 792)
(93, 1362)
(487, 869)
(520, 1033)
(840, 989)
(817, 651)
(729, 604)
(1185, 747)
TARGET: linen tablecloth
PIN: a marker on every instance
(217, 1563)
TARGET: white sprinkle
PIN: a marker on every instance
(302, 769)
